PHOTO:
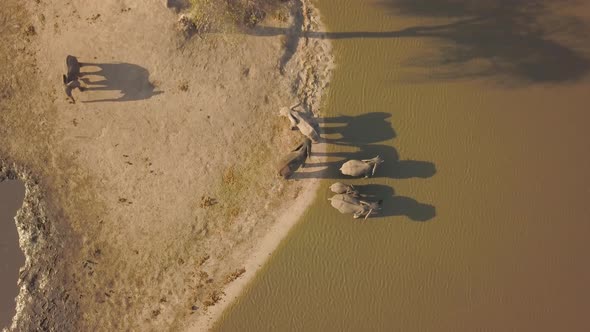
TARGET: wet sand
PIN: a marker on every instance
(12, 193)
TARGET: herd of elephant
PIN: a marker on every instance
(347, 199)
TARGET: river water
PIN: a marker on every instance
(480, 110)
(12, 259)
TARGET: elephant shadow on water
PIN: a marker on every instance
(129, 80)
(392, 167)
(362, 129)
(394, 205)
(364, 132)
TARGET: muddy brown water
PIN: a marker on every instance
(481, 112)
(12, 193)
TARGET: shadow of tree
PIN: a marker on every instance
(499, 37)
(514, 39)
(293, 35)
(132, 81)
(397, 205)
(177, 5)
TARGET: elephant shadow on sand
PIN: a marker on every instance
(128, 81)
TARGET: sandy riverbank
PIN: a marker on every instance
(260, 253)
(317, 56)
(147, 196)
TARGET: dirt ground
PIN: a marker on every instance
(145, 197)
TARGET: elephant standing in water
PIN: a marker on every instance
(349, 204)
(342, 188)
(365, 167)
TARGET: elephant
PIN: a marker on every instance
(295, 159)
(71, 79)
(342, 188)
(305, 124)
(365, 167)
(346, 203)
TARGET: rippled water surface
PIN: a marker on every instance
(480, 110)
(12, 259)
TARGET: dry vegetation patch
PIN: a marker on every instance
(229, 15)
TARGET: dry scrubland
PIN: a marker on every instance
(146, 196)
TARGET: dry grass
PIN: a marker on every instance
(183, 86)
(213, 298)
(235, 275)
(207, 201)
(226, 15)
(229, 177)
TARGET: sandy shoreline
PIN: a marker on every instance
(260, 255)
(289, 217)
(109, 242)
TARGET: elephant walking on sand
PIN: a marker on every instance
(304, 122)
(71, 80)
(295, 159)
